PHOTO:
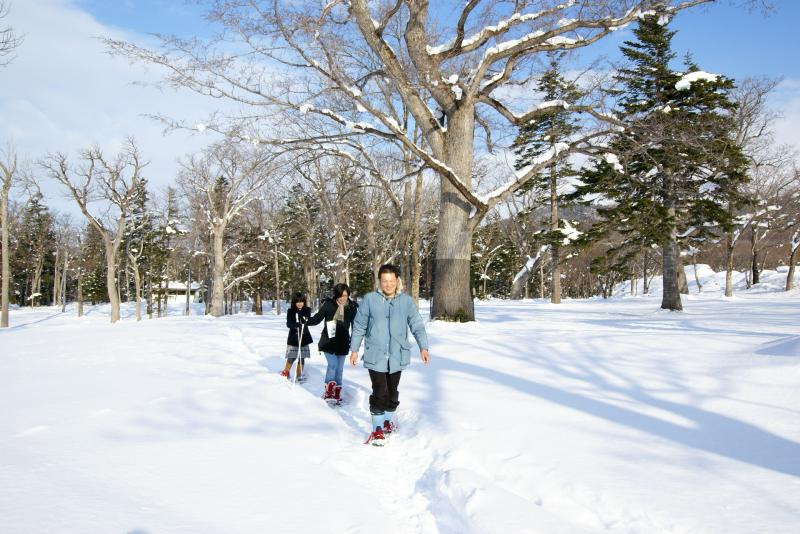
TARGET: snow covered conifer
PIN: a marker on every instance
(667, 173)
(540, 135)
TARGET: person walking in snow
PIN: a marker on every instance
(296, 318)
(385, 317)
(338, 313)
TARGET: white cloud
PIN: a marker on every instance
(786, 99)
(63, 93)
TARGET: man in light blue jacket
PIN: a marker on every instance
(383, 320)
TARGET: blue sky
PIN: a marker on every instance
(63, 93)
(723, 37)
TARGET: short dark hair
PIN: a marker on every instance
(339, 290)
(299, 297)
(389, 268)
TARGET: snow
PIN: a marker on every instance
(200, 127)
(531, 263)
(180, 286)
(613, 160)
(687, 79)
(569, 232)
(542, 105)
(714, 282)
(545, 156)
(588, 416)
(393, 123)
(500, 28)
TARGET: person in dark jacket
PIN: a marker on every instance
(296, 318)
(338, 314)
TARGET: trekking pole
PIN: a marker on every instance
(299, 352)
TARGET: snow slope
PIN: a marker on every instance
(584, 417)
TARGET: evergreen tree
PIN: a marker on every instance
(34, 259)
(93, 267)
(669, 171)
(541, 136)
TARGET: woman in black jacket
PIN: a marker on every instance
(338, 313)
(296, 318)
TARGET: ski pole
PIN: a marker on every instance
(299, 352)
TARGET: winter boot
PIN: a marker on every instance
(285, 373)
(337, 394)
(329, 390)
(377, 438)
(388, 425)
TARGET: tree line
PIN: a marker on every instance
(377, 144)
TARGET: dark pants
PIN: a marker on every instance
(384, 392)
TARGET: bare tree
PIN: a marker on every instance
(791, 210)
(9, 40)
(225, 180)
(115, 183)
(8, 167)
(355, 63)
(754, 131)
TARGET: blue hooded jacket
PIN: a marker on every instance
(383, 323)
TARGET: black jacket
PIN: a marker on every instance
(294, 318)
(340, 344)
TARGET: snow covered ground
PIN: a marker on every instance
(596, 415)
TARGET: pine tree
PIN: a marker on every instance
(34, 259)
(668, 172)
(540, 136)
(139, 238)
(93, 267)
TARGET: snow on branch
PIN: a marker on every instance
(245, 277)
(478, 39)
(522, 175)
(569, 232)
(531, 263)
(685, 83)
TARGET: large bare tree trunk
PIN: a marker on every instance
(452, 298)
(257, 304)
(111, 277)
(671, 298)
(218, 271)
